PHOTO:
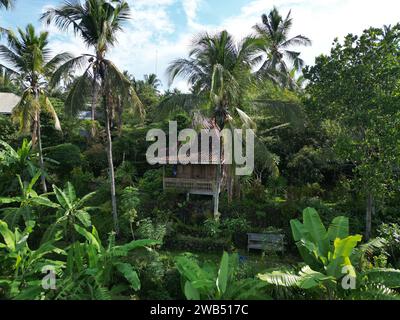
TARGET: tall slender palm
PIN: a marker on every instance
(219, 70)
(97, 22)
(28, 58)
(274, 32)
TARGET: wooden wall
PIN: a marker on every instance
(205, 172)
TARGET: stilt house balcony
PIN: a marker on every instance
(192, 186)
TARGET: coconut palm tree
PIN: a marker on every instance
(218, 70)
(274, 32)
(28, 58)
(97, 22)
(152, 81)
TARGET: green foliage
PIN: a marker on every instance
(327, 253)
(147, 229)
(28, 200)
(20, 266)
(7, 128)
(197, 244)
(16, 162)
(353, 97)
(67, 156)
(209, 282)
(391, 233)
(97, 158)
(92, 269)
(71, 211)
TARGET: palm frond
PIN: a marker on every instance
(73, 64)
(285, 111)
(46, 103)
(69, 14)
(279, 278)
(24, 112)
(187, 102)
(79, 94)
(297, 41)
(7, 4)
(121, 84)
(54, 63)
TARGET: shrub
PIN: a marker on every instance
(125, 174)
(391, 233)
(147, 229)
(160, 279)
(189, 243)
(212, 228)
(97, 158)
(129, 201)
(82, 180)
(7, 128)
(68, 157)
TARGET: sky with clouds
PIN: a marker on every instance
(161, 30)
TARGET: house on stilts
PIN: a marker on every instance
(206, 175)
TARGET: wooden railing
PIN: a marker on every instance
(192, 185)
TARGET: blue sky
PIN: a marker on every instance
(161, 30)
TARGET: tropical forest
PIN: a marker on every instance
(84, 214)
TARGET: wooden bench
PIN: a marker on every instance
(266, 242)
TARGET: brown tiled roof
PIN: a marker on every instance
(213, 157)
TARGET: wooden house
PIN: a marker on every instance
(208, 177)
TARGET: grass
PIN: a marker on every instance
(255, 260)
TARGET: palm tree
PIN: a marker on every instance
(219, 71)
(274, 32)
(152, 81)
(28, 59)
(97, 22)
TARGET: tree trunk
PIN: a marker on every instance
(37, 137)
(217, 192)
(93, 111)
(120, 109)
(41, 161)
(111, 162)
(229, 183)
(370, 211)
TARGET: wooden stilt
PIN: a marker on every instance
(216, 206)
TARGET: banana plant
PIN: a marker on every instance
(27, 200)
(91, 268)
(330, 256)
(20, 266)
(327, 251)
(207, 283)
(71, 211)
(18, 160)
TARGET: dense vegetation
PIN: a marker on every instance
(78, 198)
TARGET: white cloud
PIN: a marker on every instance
(321, 21)
(191, 8)
(152, 39)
